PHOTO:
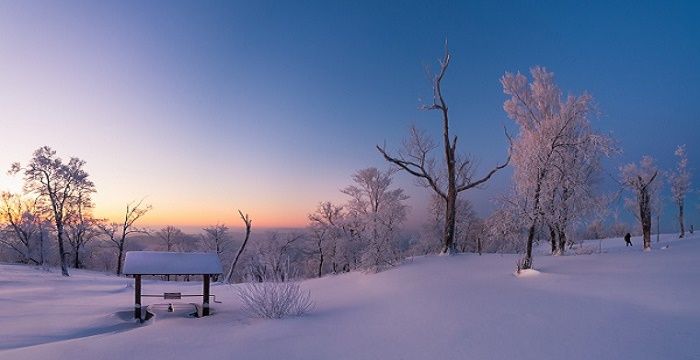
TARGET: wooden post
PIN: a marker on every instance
(137, 297)
(205, 300)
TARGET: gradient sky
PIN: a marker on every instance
(207, 107)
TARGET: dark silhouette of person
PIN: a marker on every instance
(628, 240)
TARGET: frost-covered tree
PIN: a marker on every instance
(639, 179)
(217, 238)
(272, 257)
(21, 220)
(376, 212)
(504, 229)
(118, 232)
(57, 183)
(680, 185)
(555, 154)
(81, 226)
(326, 227)
(573, 195)
(454, 175)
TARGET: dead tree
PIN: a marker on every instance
(459, 170)
(248, 223)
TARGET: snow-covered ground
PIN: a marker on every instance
(621, 304)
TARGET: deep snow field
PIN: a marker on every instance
(620, 304)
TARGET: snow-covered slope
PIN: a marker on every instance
(621, 304)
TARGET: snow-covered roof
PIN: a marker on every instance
(171, 263)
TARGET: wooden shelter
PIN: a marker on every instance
(138, 263)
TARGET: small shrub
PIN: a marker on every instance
(274, 299)
(586, 250)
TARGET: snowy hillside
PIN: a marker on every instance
(621, 304)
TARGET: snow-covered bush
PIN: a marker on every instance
(586, 250)
(275, 299)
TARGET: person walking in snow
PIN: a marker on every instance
(628, 240)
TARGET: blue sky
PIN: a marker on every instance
(206, 107)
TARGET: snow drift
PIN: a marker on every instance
(621, 304)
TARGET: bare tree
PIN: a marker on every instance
(458, 173)
(22, 218)
(248, 223)
(58, 183)
(216, 237)
(680, 185)
(117, 233)
(171, 236)
(640, 180)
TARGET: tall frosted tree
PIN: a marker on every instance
(555, 154)
(640, 180)
(58, 184)
(680, 185)
(455, 174)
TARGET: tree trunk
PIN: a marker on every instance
(562, 242)
(61, 250)
(680, 219)
(450, 217)
(553, 239)
(645, 216)
(77, 259)
(527, 262)
(320, 260)
(120, 255)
